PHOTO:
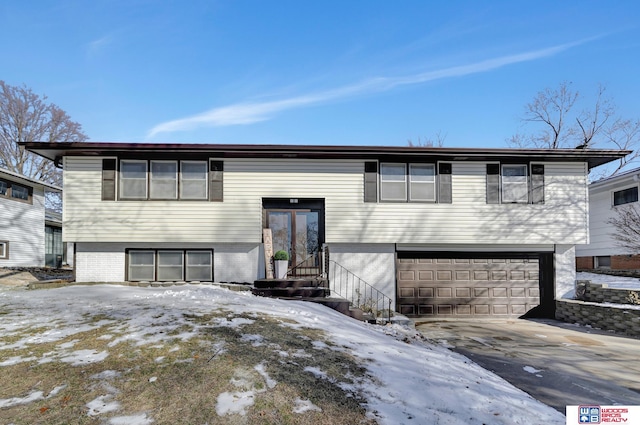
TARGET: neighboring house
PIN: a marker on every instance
(444, 232)
(29, 235)
(605, 196)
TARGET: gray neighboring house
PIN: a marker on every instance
(30, 236)
(605, 197)
(442, 232)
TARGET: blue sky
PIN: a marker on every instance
(323, 72)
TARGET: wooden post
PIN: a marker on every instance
(267, 239)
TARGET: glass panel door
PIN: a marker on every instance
(280, 224)
(306, 236)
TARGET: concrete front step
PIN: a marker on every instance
(291, 292)
(290, 283)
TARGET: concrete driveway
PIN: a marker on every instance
(557, 363)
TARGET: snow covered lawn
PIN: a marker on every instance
(203, 354)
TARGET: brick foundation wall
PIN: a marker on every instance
(584, 263)
(617, 319)
(625, 262)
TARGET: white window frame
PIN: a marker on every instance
(418, 182)
(123, 180)
(504, 183)
(129, 274)
(183, 180)
(4, 250)
(160, 267)
(387, 181)
(172, 196)
(209, 266)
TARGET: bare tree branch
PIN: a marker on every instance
(437, 141)
(626, 223)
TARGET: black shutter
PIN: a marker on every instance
(493, 183)
(537, 184)
(109, 179)
(444, 183)
(370, 182)
(216, 181)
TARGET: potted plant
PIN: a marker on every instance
(281, 260)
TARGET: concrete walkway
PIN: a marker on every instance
(557, 363)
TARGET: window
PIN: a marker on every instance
(515, 184)
(4, 250)
(142, 265)
(422, 182)
(170, 265)
(15, 191)
(193, 180)
(164, 180)
(603, 262)
(133, 179)
(393, 182)
(625, 196)
(4, 186)
(199, 266)
(515, 187)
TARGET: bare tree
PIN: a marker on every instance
(27, 117)
(437, 141)
(559, 124)
(626, 224)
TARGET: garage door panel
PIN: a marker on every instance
(468, 286)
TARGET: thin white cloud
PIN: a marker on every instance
(251, 112)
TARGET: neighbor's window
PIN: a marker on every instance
(3, 187)
(193, 179)
(515, 186)
(142, 265)
(625, 196)
(4, 249)
(603, 262)
(164, 180)
(393, 182)
(133, 179)
(19, 192)
(422, 182)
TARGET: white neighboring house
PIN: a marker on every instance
(605, 196)
(443, 232)
(30, 236)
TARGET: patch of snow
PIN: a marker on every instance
(541, 336)
(33, 396)
(255, 340)
(17, 359)
(267, 379)
(141, 419)
(159, 359)
(102, 404)
(303, 406)
(238, 402)
(619, 282)
(531, 369)
(106, 374)
(153, 379)
(81, 357)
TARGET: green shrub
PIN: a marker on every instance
(281, 255)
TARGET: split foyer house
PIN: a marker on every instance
(441, 231)
(30, 236)
(605, 197)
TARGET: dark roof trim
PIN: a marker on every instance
(55, 151)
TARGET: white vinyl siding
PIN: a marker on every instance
(193, 180)
(23, 230)
(348, 219)
(163, 180)
(422, 182)
(133, 179)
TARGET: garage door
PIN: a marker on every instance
(496, 286)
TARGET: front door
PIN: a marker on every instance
(297, 227)
(295, 231)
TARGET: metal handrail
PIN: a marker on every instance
(359, 293)
(297, 270)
